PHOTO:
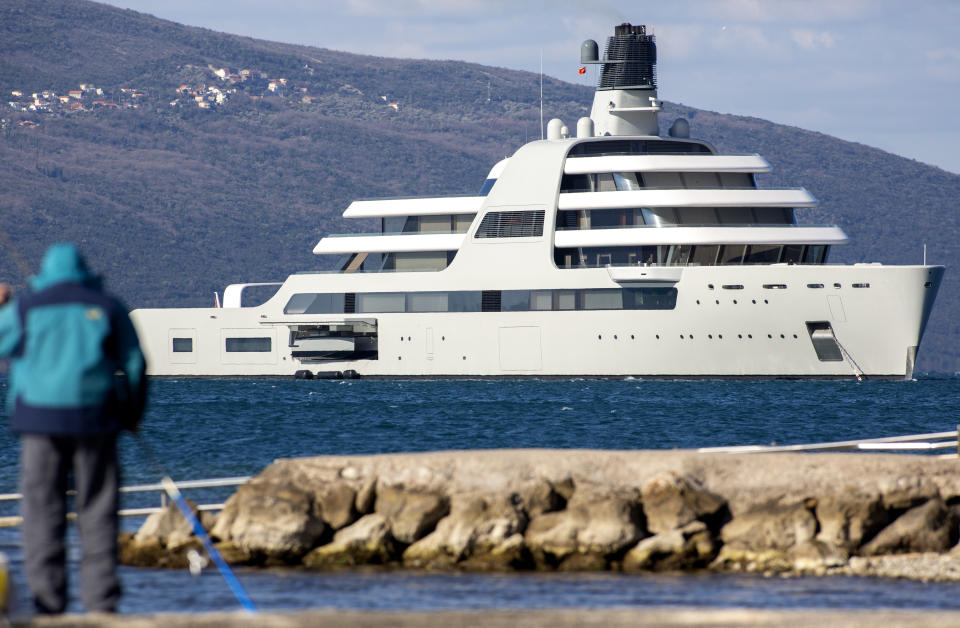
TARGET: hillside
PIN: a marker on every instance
(173, 201)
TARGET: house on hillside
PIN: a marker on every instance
(75, 94)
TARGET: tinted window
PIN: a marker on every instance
(183, 345)
(248, 345)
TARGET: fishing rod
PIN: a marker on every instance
(170, 488)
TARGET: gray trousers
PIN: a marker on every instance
(45, 463)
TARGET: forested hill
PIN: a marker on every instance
(183, 159)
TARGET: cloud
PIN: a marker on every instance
(943, 64)
(812, 40)
(808, 11)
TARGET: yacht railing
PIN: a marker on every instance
(410, 198)
(392, 233)
(739, 225)
(674, 188)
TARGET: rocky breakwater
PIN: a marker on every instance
(891, 515)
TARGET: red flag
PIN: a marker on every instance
(582, 70)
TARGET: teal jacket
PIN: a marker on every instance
(77, 367)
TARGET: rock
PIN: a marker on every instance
(337, 504)
(672, 501)
(772, 526)
(598, 524)
(168, 527)
(544, 497)
(846, 520)
(927, 567)
(411, 513)
(929, 527)
(483, 529)
(150, 552)
(689, 547)
(816, 557)
(906, 491)
(365, 497)
(273, 518)
(234, 555)
(367, 542)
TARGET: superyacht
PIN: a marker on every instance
(609, 251)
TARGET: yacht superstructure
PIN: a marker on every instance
(611, 252)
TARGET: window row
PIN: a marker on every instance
(624, 181)
(231, 345)
(570, 219)
(444, 223)
(608, 146)
(687, 254)
(395, 262)
(483, 301)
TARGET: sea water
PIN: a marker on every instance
(207, 428)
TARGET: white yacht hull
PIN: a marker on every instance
(753, 331)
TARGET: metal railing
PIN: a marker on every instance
(913, 442)
(11, 521)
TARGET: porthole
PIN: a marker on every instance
(599, 337)
(860, 285)
(740, 336)
(836, 285)
(614, 336)
(698, 301)
(681, 336)
(718, 301)
(749, 336)
(734, 301)
(399, 358)
(765, 301)
(814, 285)
(464, 357)
(720, 336)
(794, 336)
(775, 286)
(658, 336)
(733, 286)
(782, 336)
(754, 301)
(408, 338)
(769, 335)
(631, 336)
(710, 285)
(710, 336)
(443, 338)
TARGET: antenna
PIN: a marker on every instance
(924, 253)
(541, 93)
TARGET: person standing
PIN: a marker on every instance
(77, 377)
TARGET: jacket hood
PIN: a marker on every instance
(63, 263)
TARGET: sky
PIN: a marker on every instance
(885, 73)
